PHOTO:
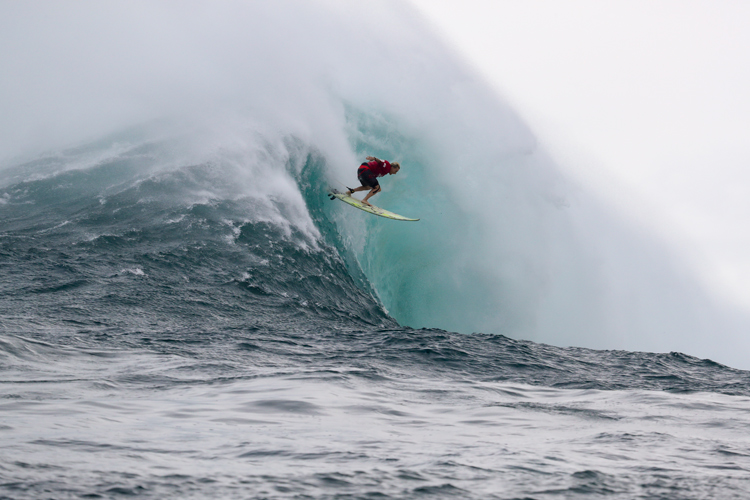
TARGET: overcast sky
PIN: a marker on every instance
(646, 102)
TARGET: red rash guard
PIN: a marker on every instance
(377, 167)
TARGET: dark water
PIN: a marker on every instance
(164, 334)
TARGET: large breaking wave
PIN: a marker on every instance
(247, 125)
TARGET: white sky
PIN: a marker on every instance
(645, 102)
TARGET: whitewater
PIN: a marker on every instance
(185, 314)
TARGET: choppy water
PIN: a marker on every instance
(164, 334)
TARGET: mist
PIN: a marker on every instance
(507, 243)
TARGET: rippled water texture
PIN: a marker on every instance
(383, 414)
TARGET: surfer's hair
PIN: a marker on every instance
(396, 164)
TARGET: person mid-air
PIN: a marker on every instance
(368, 173)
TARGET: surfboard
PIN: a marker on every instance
(333, 193)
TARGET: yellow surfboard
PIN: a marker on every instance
(373, 209)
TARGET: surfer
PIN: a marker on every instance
(368, 173)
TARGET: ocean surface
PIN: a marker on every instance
(185, 315)
(165, 334)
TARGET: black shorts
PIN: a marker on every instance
(367, 177)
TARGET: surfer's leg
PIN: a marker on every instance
(367, 179)
(350, 191)
(372, 192)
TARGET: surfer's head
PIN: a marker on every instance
(395, 167)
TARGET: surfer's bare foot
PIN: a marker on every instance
(366, 203)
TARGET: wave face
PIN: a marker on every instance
(184, 313)
(104, 244)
